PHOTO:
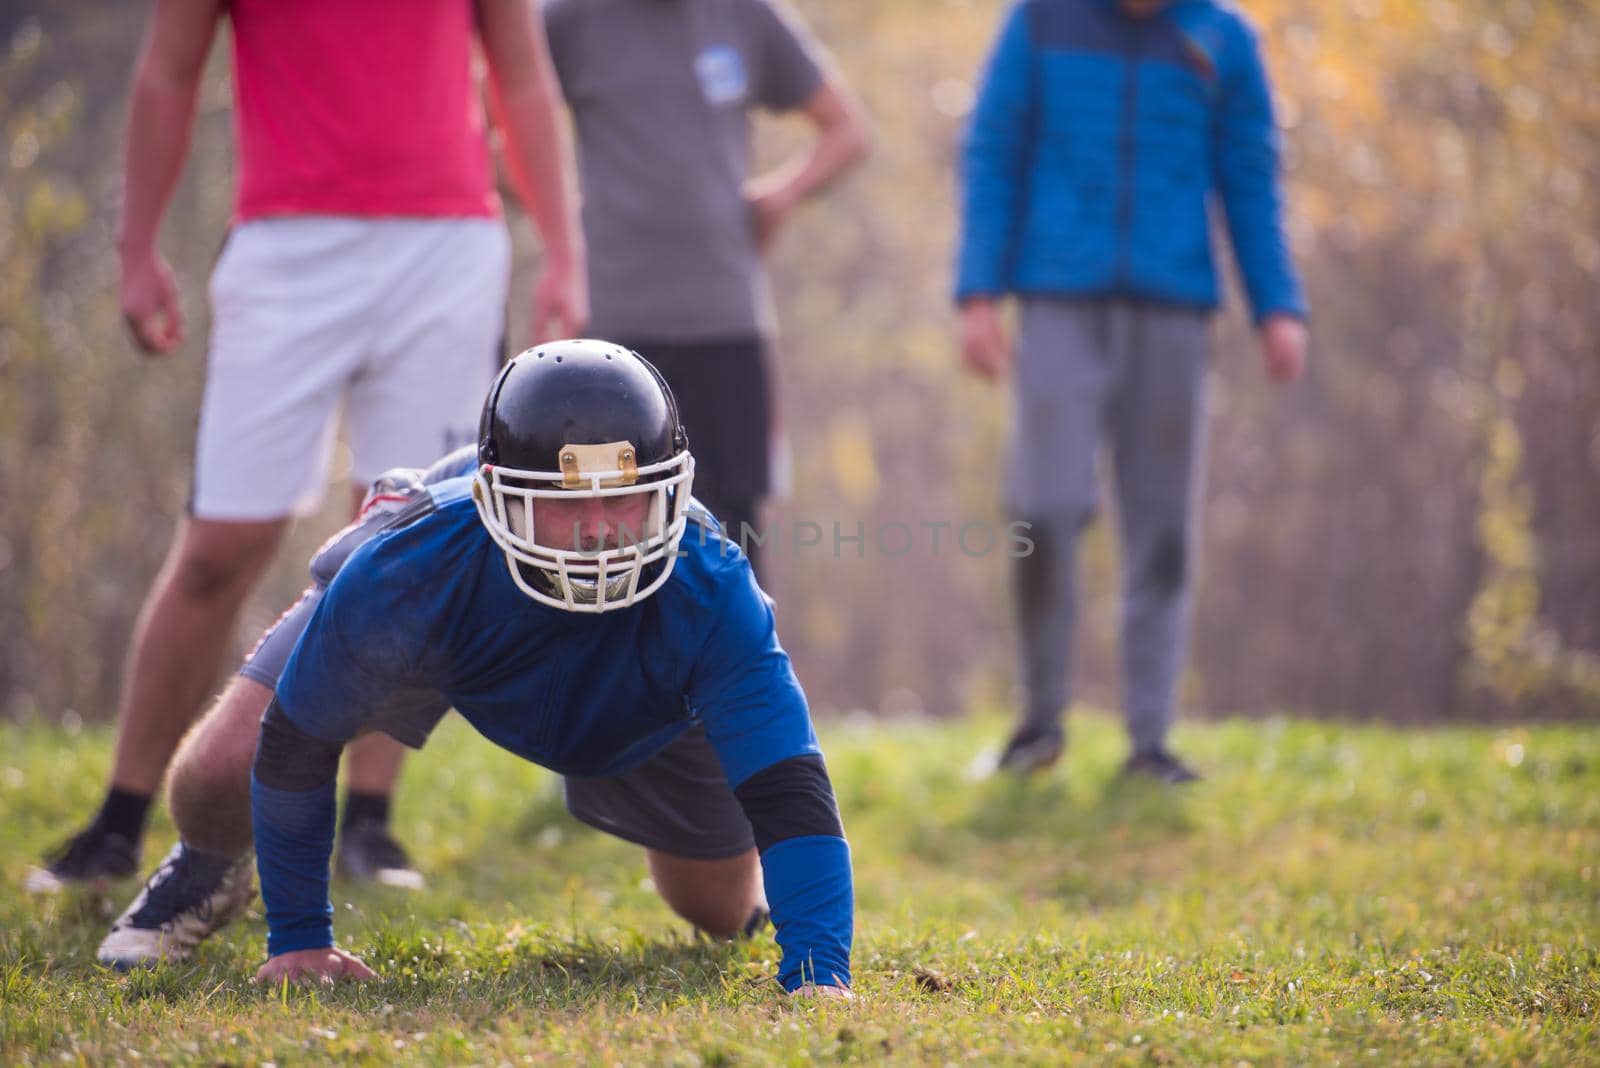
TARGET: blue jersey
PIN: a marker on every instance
(429, 608)
(425, 615)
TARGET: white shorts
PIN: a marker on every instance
(399, 321)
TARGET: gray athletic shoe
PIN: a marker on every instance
(189, 896)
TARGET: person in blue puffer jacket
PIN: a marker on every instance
(1103, 133)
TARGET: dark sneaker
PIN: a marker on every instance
(91, 857)
(1160, 765)
(188, 897)
(759, 920)
(368, 852)
(1029, 749)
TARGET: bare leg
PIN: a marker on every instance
(208, 790)
(372, 764)
(207, 879)
(209, 785)
(181, 638)
(717, 896)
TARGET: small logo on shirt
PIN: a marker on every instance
(721, 72)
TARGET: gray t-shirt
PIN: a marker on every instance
(660, 91)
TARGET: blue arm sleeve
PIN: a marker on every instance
(755, 714)
(808, 883)
(294, 839)
(1249, 181)
(994, 159)
(292, 808)
(326, 695)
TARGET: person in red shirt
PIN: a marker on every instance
(366, 270)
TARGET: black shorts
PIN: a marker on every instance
(725, 401)
(677, 802)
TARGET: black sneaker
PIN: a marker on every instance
(759, 921)
(188, 897)
(1031, 749)
(1160, 765)
(92, 857)
(368, 852)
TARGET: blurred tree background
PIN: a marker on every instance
(1412, 533)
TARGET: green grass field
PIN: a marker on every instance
(1328, 894)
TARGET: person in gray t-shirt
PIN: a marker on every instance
(661, 93)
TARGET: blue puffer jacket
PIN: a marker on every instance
(1095, 146)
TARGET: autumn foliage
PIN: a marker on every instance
(1411, 533)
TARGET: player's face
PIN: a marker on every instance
(590, 524)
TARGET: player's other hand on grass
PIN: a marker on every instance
(313, 965)
(829, 993)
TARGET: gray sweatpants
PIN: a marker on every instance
(1132, 375)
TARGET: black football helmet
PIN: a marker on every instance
(582, 418)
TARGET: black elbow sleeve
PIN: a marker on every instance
(287, 758)
(791, 799)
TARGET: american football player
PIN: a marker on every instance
(561, 590)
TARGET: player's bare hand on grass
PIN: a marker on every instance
(1283, 347)
(150, 304)
(313, 965)
(984, 345)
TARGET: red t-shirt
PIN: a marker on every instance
(358, 107)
